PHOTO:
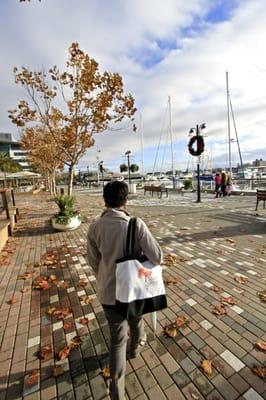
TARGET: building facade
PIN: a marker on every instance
(14, 150)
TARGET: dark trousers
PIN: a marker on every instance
(119, 335)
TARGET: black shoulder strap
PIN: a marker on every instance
(130, 243)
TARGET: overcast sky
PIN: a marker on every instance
(175, 48)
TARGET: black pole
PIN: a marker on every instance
(198, 171)
(128, 164)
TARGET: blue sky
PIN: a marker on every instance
(171, 48)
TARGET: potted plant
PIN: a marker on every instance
(67, 218)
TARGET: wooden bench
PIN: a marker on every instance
(158, 189)
(261, 196)
(9, 211)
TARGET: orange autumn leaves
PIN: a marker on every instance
(171, 330)
(65, 352)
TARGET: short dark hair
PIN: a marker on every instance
(115, 193)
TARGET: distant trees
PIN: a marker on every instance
(90, 102)
(8, 165)
(133, 168)
(123, 168)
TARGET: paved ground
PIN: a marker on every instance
(211, 243)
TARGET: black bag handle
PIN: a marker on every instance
(130, 243)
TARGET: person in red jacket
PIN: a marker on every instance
(217, 180)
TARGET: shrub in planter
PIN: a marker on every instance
(187, 184)
(67, 217)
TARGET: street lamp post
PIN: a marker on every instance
(198, 130)
(101, 170)
(198, 171)
(128, 154)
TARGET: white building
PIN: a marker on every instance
(14, 150)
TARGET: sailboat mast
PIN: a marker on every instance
(228, 125)
(171, 136)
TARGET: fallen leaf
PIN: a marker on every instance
(41, 282)
(259, 371)
(13, 300)
(84, 321)
(241, 279)
(261, 346)
(24, 290)
(169, 280)
(52, 278)
(219, 310)
(262, 295)
(51, 310)
(64, 284)
(230, 240)
(228, 300)
(86, 299)
(216, 289)
(33, 378)
(45, 352)
(68, 325)
(27, 275)
(170, 259)
(106, 373)
(75, 342)
(206, 366)
(180, 321)
(58, 370)
(170, 330)
(83, 282)
(220, 252)
(62, 313)
(64, 353)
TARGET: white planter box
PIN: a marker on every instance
(74, 223)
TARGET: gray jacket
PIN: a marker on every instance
(106, 243)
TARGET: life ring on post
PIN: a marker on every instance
(200, 145)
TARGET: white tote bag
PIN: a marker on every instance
(139, 284)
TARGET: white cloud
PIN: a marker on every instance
(126, 36)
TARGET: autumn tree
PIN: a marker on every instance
(123, 167)
(42, 153)
(80, 101)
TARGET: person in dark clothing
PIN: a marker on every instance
(223, 183)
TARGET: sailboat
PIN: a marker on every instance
(230, 139)
(169, 135)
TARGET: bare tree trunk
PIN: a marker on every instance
(49, 181)
(70, 180)
(54, 183)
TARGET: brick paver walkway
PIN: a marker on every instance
(211, 244)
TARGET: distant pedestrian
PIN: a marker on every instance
(217, 180)
(223, 183)
(229, 185)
